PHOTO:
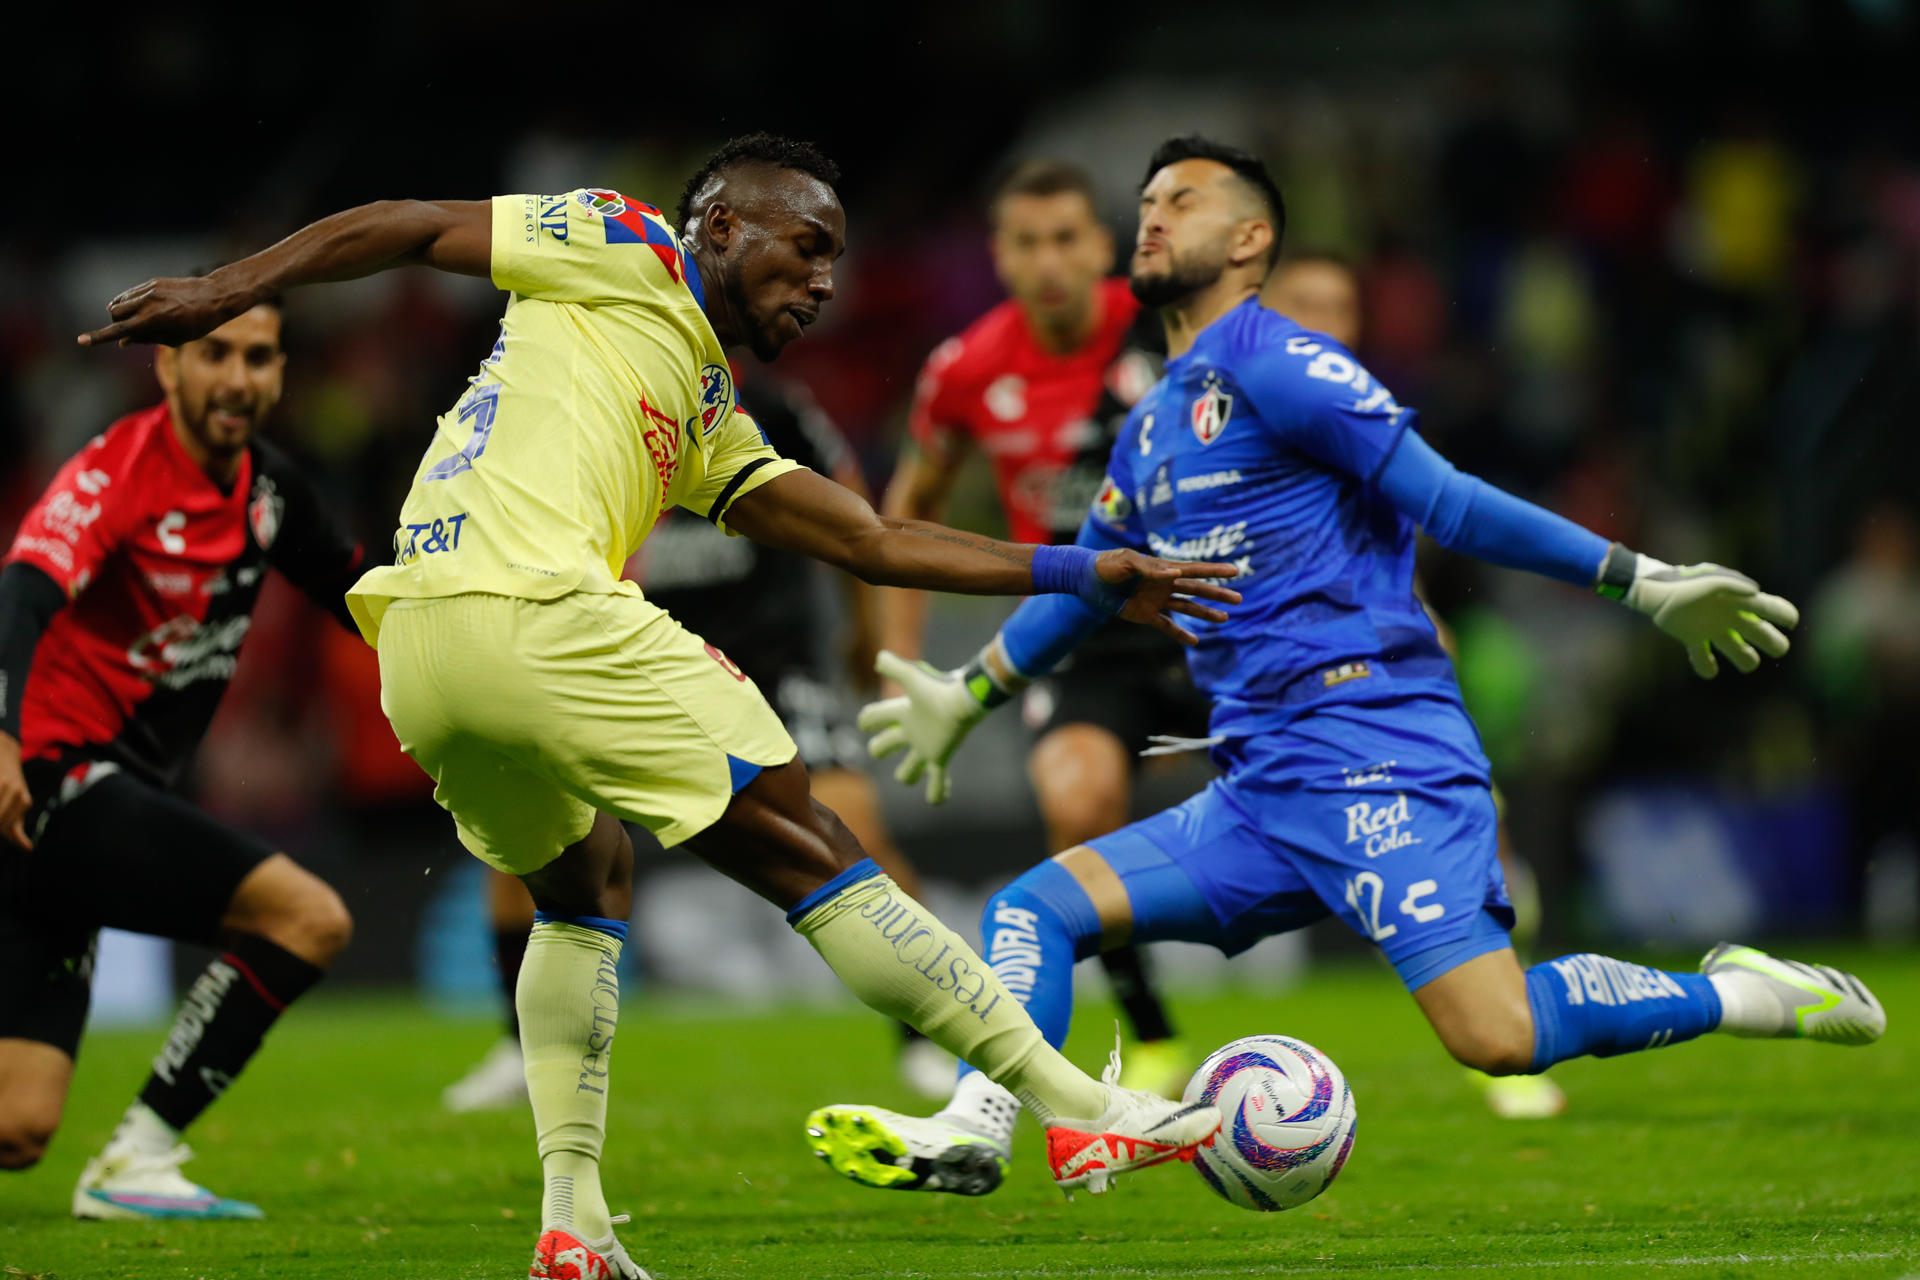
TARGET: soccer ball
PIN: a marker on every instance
(1286, 1122)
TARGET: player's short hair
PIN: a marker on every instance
(1041, 176)
(755, 148)
(1248, 167)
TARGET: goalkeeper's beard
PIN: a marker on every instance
(1185, 275)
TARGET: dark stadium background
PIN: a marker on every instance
(1654, 264)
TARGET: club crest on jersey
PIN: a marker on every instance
(264, 511)
(716, 396)
(1211, 409)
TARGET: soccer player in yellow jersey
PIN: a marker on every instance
(549, 700)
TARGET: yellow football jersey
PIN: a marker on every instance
(606, 400)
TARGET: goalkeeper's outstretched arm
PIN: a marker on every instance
(1706, 607)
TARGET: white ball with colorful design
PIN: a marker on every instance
(1286, 1126)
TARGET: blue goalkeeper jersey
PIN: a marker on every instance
(1260, 446)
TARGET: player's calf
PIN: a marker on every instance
(1480, 1012)
(33, 1092)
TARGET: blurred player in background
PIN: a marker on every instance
(761, 607)
(1354, 785)
(1041, 384)
(123, 605)
(1321, 293)
(550, 702)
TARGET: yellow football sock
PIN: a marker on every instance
(900, 960)
(568, 998)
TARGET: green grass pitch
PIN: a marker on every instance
(1717, 1158)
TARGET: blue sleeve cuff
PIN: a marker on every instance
(1466, 514)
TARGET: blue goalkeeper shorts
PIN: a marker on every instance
(1379, 814)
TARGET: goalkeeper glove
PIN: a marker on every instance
(935, 712)
(1703, 606)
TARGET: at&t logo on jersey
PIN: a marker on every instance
(1210, 411)
(1383, 827)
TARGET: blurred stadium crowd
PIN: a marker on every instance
(1677, 304)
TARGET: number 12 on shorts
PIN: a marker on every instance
(1366, 891)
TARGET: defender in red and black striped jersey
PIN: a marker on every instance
(1041, 385)
(123, 605)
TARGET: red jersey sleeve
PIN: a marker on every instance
(78, 522)
(937, 423)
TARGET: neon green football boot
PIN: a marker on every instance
(1765, 996)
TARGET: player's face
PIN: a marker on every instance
(790, 233)
(1318, 295)
(1190, 216)
(1050, 252)
(221, 387)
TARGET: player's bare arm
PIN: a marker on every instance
(807, 513)
(448, 235)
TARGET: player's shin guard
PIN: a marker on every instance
(226, 1014)
(903, 962)
(569, 1003)
(1597, 1005)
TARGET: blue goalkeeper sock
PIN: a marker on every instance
(1593, 1004)
(1034, 930)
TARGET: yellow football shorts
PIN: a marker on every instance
(530, 715)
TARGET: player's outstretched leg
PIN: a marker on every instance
(569, 1004)
(1082, 775)
(1035, 929)
(924, 1066)
(499, 1079)
(282, 927)
(902, 961)
(1519, 1097)
(1492, 1015)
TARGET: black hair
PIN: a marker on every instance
(1248, 167)
(1041, 176)
(756, 148)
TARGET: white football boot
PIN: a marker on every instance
(1763, 995)
(881, 1148)
(497, 1081)
(561, 1255)
(139, 1186)
(1136, 1131)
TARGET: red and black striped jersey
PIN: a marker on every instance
(161, 568)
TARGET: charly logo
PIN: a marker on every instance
(1383, 827)
(1210, 411)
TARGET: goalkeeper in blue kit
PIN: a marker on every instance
(1353, 783)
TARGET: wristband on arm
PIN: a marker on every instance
(990, 675)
